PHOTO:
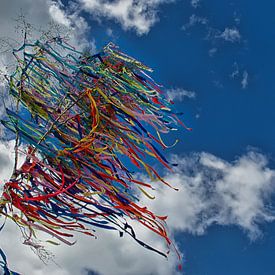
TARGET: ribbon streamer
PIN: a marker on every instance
(83, 119)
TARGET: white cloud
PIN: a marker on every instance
(212, 191)
(70, 18)
(40, 14)
(107, 255)
(231, 35)
(131, 14)
(244, 81)
(179, 94)
(6, 160)
(58, 14)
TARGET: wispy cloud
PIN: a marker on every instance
(242, 77)
(244, 81)
(109, 32)
(195, 3)
(195, 20)
(179, 94)
(212, 52)
(236, 70)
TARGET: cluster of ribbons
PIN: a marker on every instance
(84, 122)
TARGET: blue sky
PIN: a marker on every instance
(219, 55)
(180, 58)
(231, 117)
